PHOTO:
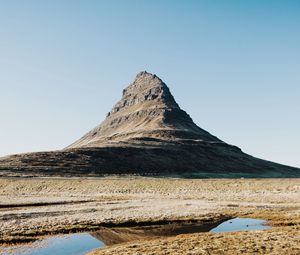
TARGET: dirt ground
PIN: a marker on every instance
(32, 208)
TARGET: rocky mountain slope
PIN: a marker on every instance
(146, 133)
(146, 114)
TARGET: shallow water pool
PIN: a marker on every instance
(79, 244)
(75, 244)
(239, 224)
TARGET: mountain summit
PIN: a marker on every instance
(145, 133)
(147, 113)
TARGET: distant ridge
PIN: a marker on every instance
(145, 133)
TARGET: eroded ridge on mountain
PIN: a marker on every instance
(147, 113)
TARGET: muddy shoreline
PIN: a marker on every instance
(27, 237)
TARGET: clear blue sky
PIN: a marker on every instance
(234, 66)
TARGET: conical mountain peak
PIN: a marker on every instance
(146, 112)
(146, 133)
(146, 87)
(145, 80)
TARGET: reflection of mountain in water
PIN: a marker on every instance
(115, 235)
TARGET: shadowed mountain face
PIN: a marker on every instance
(146, 133)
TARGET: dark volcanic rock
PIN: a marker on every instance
(146, 133)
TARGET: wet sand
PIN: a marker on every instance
(33, 208)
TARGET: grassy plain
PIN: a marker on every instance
(33, 208)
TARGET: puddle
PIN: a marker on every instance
(79, 244)
(239, 224)
(75, 244)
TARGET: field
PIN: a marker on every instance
(33, 208)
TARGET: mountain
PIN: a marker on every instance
(147, 114)
(146, 133)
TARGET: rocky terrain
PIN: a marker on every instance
(147, 115)
(146, 133)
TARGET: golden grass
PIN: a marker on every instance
(73, 205)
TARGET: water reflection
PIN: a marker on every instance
(75, 244)
(239, 224)
(79, 244)
(117, 235)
